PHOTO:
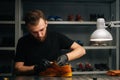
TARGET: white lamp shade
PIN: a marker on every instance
(101, 35)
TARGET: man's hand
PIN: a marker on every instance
(44, 64)
(62, 60)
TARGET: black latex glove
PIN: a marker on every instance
(62, 60)
(42, 66)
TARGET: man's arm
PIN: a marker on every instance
(20, 68)
(34, 69)
(77, 51)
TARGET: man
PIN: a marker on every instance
(37, 50)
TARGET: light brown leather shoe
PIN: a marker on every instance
(56, 70)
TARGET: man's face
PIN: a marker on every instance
(39, 31)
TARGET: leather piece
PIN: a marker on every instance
(114, 73)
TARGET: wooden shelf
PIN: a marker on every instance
(100, 47)
(5, 74)
(7, 22)
(70, 22)
(89, 72)
(7, 48)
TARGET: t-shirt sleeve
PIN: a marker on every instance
(65, 42)
(19, 57)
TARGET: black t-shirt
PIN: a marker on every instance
(31, 51)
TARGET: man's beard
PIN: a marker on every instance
(42, 39)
